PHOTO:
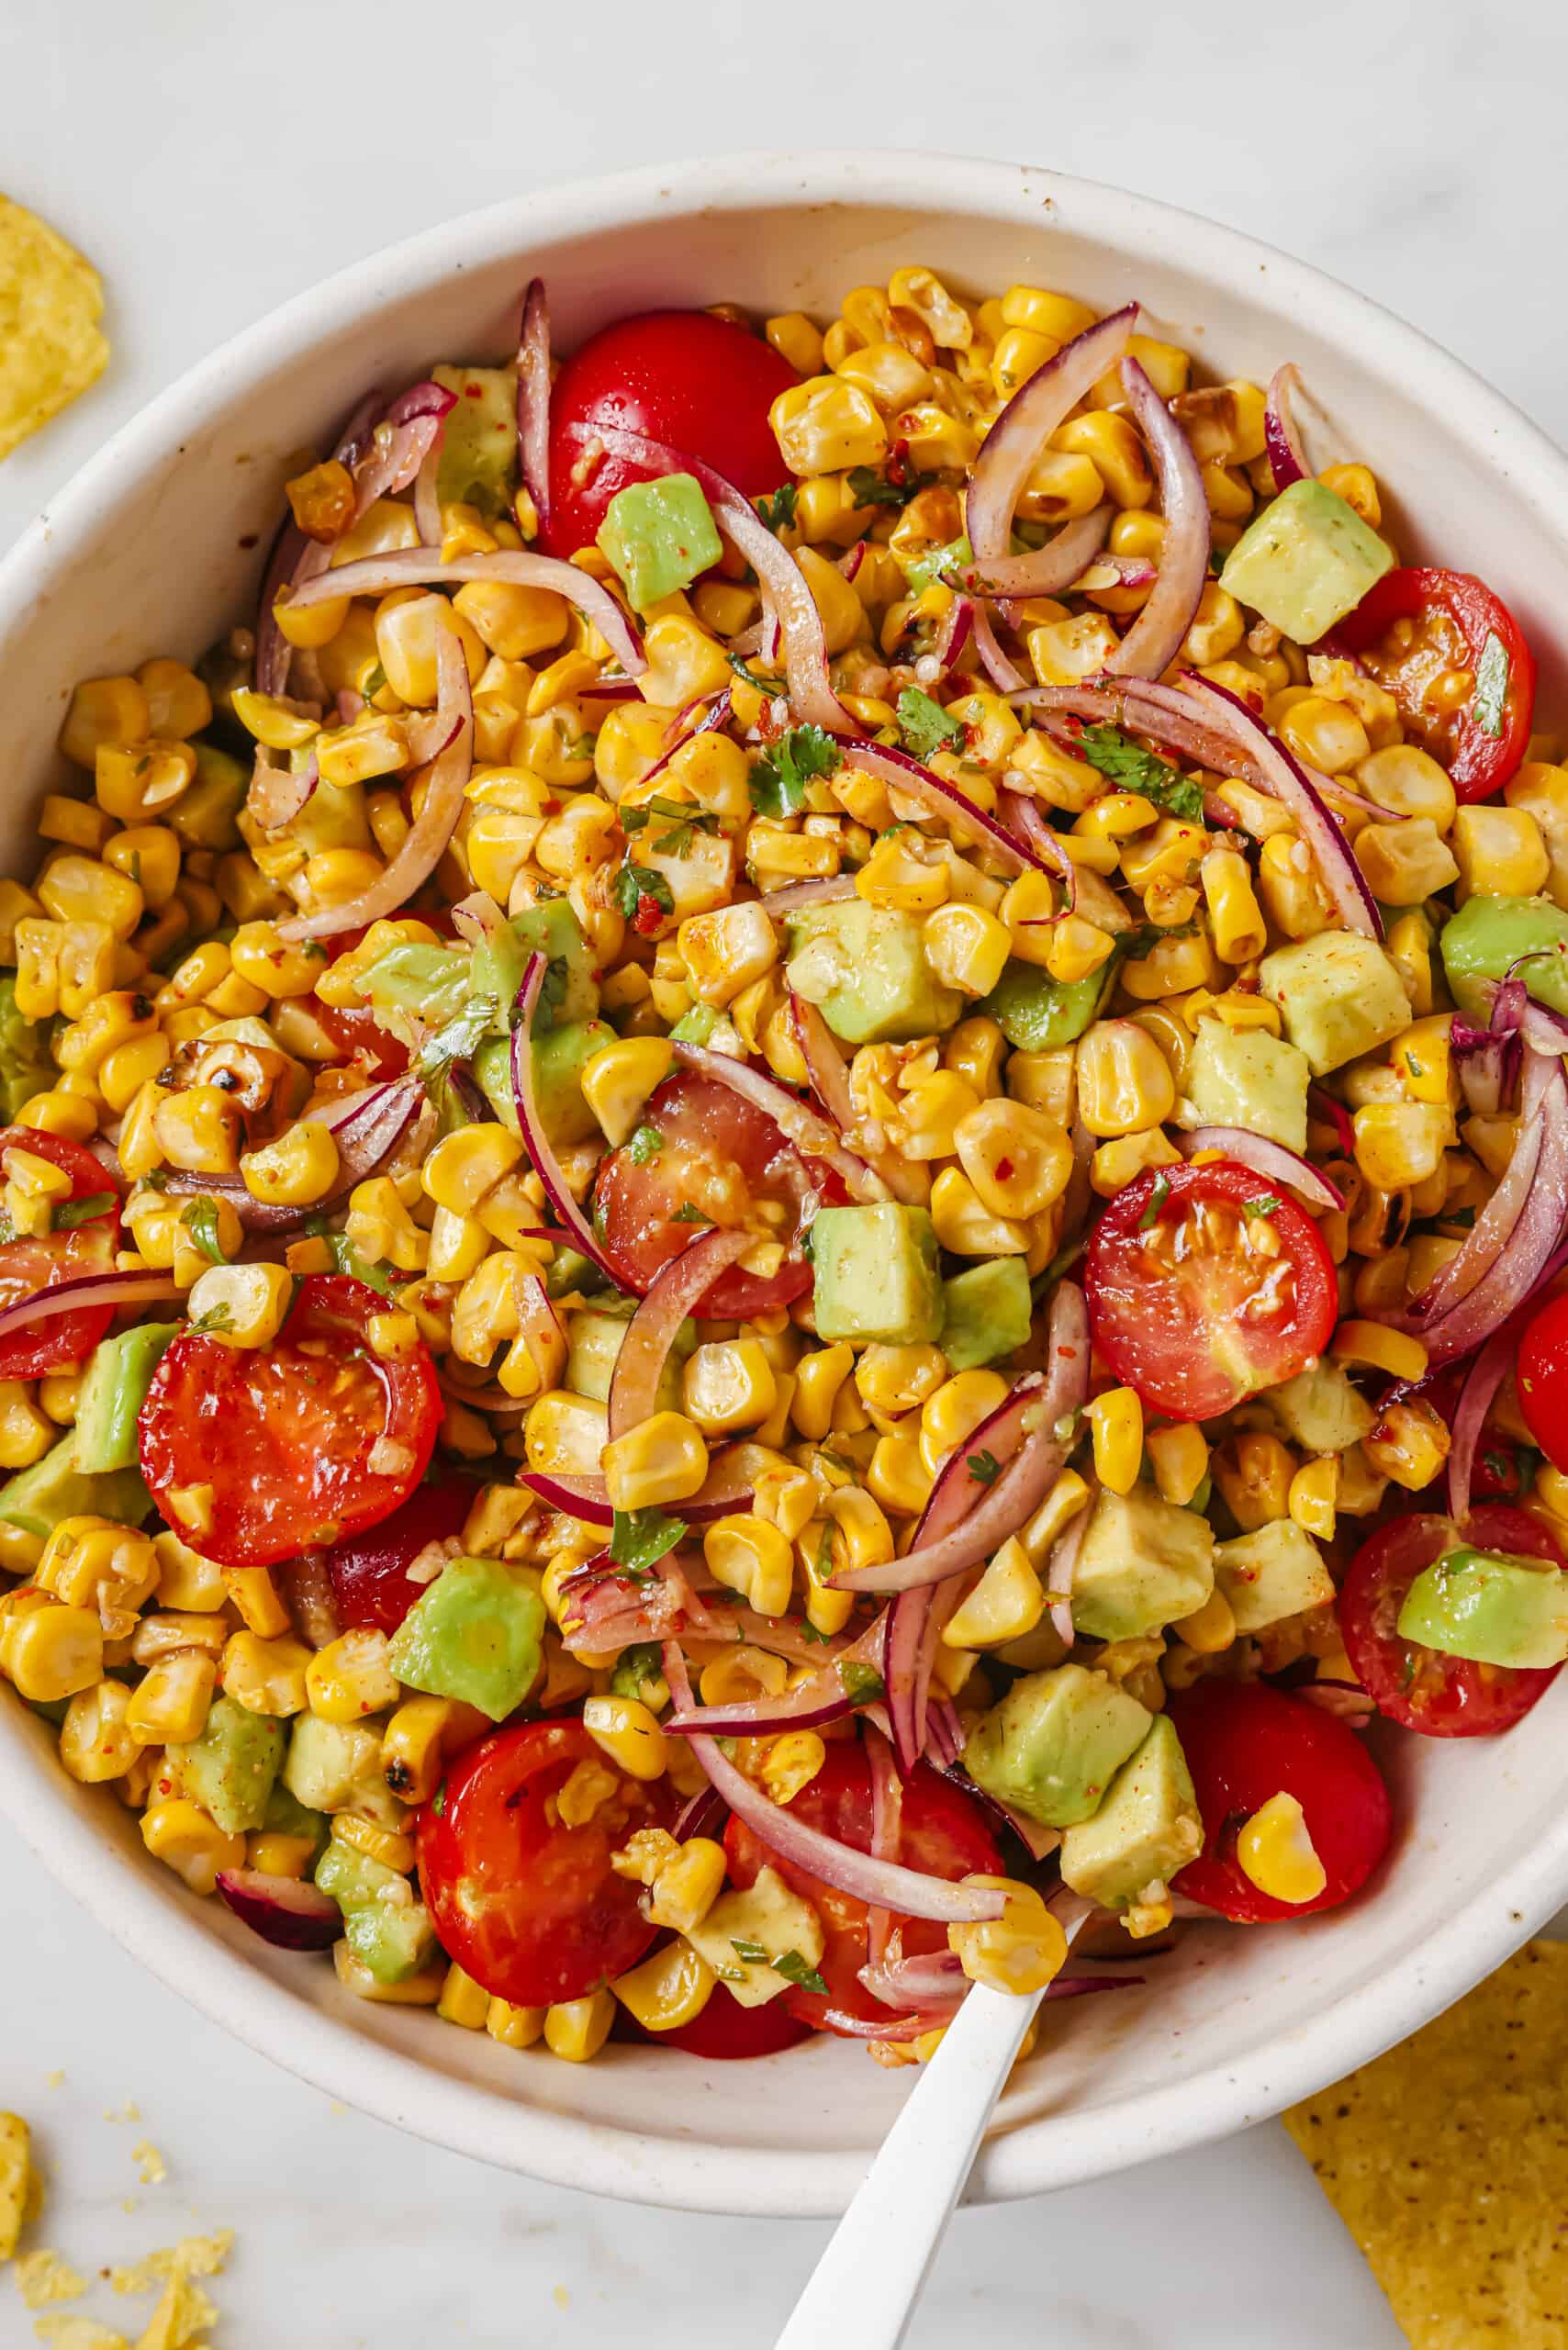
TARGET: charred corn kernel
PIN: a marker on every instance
(412, 1745)
(272, 722)
(181, 1834)
(1116, 1164)
(246, 1304)
(351, 1677)
(115, 1019)
(965, 1225)
(458, 1246)
(266, 1676)
(967, 947)
(616, 1081)
(170, 1704)
(1008, 1601)
(784, 1497)
(1400, 1143)
(826, 425)
(52, 1652)
(1179, 1457)
(515, 2027)
(78, 889)
(103, 709)
(741, 1675)
(891, 375)
(513, 621)
(1058, 316)
(747, 1555)
(566, 1434)
(276, 967)
(1403, 863)
(933, 1108)
(130, 1067)
(898, 1475)
(663, 1459)
(195, 978)
(468, 1164)
(1314, 1489)
(279, 1855)
(725, 951)
(337, 874)
(91, 1562)
(623, 1729)
(1116, 1421)
(185, 1579)
(1064, 653)
(577, 2029)
(896, 877)
(729, 1384)
(684, 661)
(387, 1845)
(1423, 1057)
(1291, 891)
(465, 2002)
(60, 1113)
(1276, 1854)
(380, 1226)
(956, 1410)
(59, 1395)
(1113, 447)
(1408, 781)
(255, 1594)
(1235, 919)
(135, 782)
(295, 1170)
(178, 703)
(1124, 1079)
(818, 1379)
(1018, 1160)
(795, 338)
(1499, 851)
(38, 944)
(1021, 1951)
(198, 1130)
(407, 623)
(95, 1744)
(25, 1433)
(16, 904)
(860, 1535)
(1410, 949)
(1253, 1472)
(1019, 353)
(1380, 1349)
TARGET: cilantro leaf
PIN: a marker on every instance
(779, 511)
(1131, 769)
(201, 1220)
(796, 1969)
(767, 687)
(458, 1041)
(1258, 1207)
(984, 1468)
(645, 1146)
(809, 1632)
(1156, 1201)
(925, 725)
(1492, 674)
(347, 1258)
(778, 779)
(217, 1319)
(640, 1537)
(632, 883)
(688, 1213)
(751, 1953)
(71, 1212)
(868, 488)
(861, 1683)
(683, 818)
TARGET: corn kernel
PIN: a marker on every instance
(1021, 1952)
(1116, 1421)
(1276, 1854)
(747, 1555)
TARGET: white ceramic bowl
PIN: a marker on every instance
(154, 546)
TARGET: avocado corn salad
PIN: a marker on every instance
(783, 1193)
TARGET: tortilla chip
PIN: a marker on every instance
(50, 301)
(1448, 2161)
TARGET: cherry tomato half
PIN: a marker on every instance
(1424, 1689)
(943, 1833)
(1541, 1373)
(1414, 627)
(281, 1437)
(370, 1580)
(528, 1907)
(354, 1028)
(697, 383)
(1244, 1742)
(1204, 1284)
(726, 2030)
(721, 1158)
(29, 1265)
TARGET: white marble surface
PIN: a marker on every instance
(213, 160)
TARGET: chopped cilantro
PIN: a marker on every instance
(645, 1145)
(1259, 1207)
(868, 488)
(778, 779)
(632, 883)
(687, 1213)
(640, 1537)
(821, 1565)
(1135, 944)
(347, 1258)
(201, 1220)
(767, 687)
(925, 725)
(375, 684)
(861, 1683)
(454, 1044)
(984, 1468)
(438, 1801)
(71, 1212)
(779, 511)
(751, 1953)
(1131, 769)
(156, 1179)
(795, 1969)
(683, 818)
(582, 748)
(809, 1632)
(1156, 1201)
(217, 1319)
(1492, 672)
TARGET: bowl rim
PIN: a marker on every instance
(1052, 2151)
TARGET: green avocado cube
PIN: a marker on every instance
(1274, 1571)
(477, 465)
(876, 1276)
(229, 1769)
(594, 1340)
(1489, 935)
(1320, 1409)
(1143, 1563)
(1306, 561)
(1244, 1077)
(335, 1767)
(393, 1940)
(864, 968)
(38, 1498)
(988, 1311)
(1491, 1607)
(118, 1374)
(476, 1634)
(560, 1057)
(658, 536)
(1147, 1828)
(1338, 996)
(1053, 1744)
(1039, 1015)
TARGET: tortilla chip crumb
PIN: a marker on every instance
(1446, 2160)
(154, 2169)
(17, 2175)
(128, 2112)
(54, 2080)
(43, 2277)
(560, 2295)
(184, 2313)
(78, 2333)
(192, 2256)
(51, 302)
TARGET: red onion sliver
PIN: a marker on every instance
(1003, 675)
(277, 794)
(1521, 1262)
(1280, 444)
(1274, 1160)
(678, 1291)
(537, 1142)
(831, 890)
(378, 575)
(1013, 446)
(1156, 636)
(830, 1082)
(944, 800)
(913, 1982)
(1351, 1704)
(1485, 1377)
(293, 557)
(87, 1289)
(887, 1819)
(1045, 570)
(533, 399)
(1028, 820)
(962, 614)
(1062, 1565)
(795, 1121)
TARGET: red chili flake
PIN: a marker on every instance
(473, 392)
(648, 916)
(1004, 1169)
(552, 807)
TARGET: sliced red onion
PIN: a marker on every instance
(1062, 1566)
(430, 835)
(1005, 1505)
(1038, 1842)
(537, 1143)
(609, 689)
(1482, 1379)
(533, 399)
(850, 564)
(87, 1290)
(1115, 571)
(277, 794)
(677, 1292)
(829, 889)
(489, 1395)
(1486, 1062)
(1528, 1244)
(795, 1121)
(477, 920)
(887, 1814)
(1487, 1238)
(1012, 447)
(944, 800)
(944, 1734)
(367, 1126)
(284, 1910)
(830, 1082)
(1001, 672)
(1157, 635)
(293, 557)
(911, 1982)
(1329, 1113)
(883, 1884)
(427, 505)
(899, 2028)
(1274, 1160)
(823, 1698)
(716, 713)
(727, 1494)
(400, 443)
(1045, 570)
(1024, 818)
(378, 575)
(955, 631)
(1284, 449)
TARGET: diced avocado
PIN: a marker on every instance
(431, 984)
(334, 1766)
(475, 1634)
(639, 1672)
(394, 1941)
(571, 984)
(334, 818)
(1491, 1607)
(1306, 561)
(559, 1059)
(1143, 1563)
(1244, 1077)
(204, 813)
(353, 1878)
(594, 1341)
(1147, 1828)
(1320, 1409)
(1488, 935)
(697, 1025)
(229, 1769)
(570, 1272)
(1037, 1013)
(865, 968)
(477, 465)
(38, 1498)
(750, 1928)
(923, 571)
(988, 1311)
(113, 1389)
(27, 1066)
(286, 1816)
(1274, 1571)
(1053, 1744)
(875, 1274)
(1338, 995)
(658, 536)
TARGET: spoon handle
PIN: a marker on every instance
(864, 2288)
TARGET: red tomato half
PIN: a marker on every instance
(727, 2031)
(723, 1156)
(281, 1435)
(1442, 1695)
(370, 1583)
(1414, 627)
(1204, 1284)
(1541, 1373)
(943, 1833)
(27, 1266)
(697, 383)
(354, 1028)
(1245, 1742)
(529, 1907)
